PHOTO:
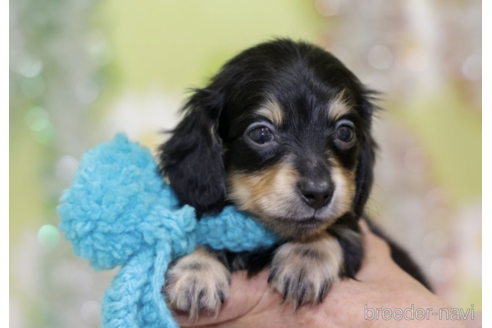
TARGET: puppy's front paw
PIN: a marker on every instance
(197, 282)
(303, 272)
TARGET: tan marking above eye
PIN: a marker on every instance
(339, 106)
(272, 111)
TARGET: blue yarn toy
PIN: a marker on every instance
(119, 212)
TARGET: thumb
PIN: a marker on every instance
(377, 255)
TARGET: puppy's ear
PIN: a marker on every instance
(192, 158)
(365, 167)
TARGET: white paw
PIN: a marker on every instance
(303, 272)
(197, 282)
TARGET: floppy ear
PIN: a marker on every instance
(365, 167)
(192, 158)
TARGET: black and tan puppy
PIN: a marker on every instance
(283, 131)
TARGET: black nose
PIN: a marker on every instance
(316, 194)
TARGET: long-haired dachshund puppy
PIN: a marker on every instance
(283, 131)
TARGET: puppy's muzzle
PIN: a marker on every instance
(316, 193)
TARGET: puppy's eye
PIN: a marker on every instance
(261, 135)
(345, 134)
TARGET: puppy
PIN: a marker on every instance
(283, 132)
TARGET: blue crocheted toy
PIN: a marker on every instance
(119, 212)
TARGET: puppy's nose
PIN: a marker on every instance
(316, 194)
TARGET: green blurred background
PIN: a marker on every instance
(81, 70)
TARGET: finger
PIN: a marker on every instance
(363, 226)
(374, 246)
(377, 254)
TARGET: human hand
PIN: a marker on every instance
(380, 283)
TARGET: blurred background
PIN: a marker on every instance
(82, 70)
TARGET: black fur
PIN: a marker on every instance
(352, 249)
(252, 262)
(192, 158)
(212, 137)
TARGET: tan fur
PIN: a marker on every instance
(272, 111)
(303, 271)
(339, 106)
(268, 193)
(197, 282)
(344, 181)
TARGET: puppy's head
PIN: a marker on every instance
(283, 132)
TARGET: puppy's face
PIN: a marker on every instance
(283, 132)
(292, 163)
